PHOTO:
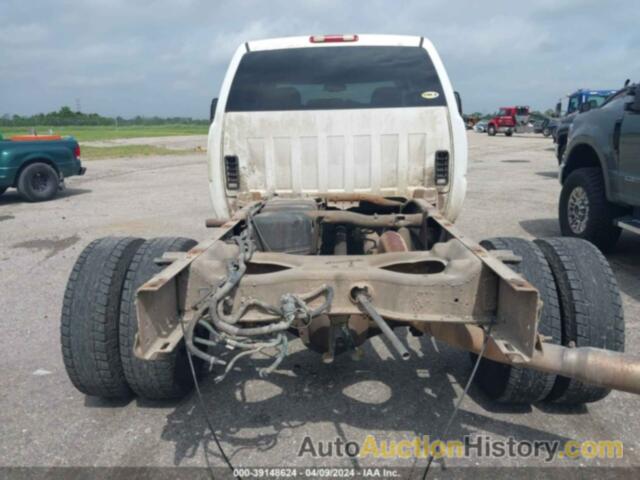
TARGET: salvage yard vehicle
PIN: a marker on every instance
(600, 173)
(509, 120)
(38, 164)
(480, 127)
(337, 165)
(545, 126)
(579, 101)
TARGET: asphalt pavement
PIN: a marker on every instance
(45, 422)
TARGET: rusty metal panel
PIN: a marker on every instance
(519, 304)
(457, 281)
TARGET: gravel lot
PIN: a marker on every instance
(46, 422)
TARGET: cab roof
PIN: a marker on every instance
(589, 91)
(336, 40)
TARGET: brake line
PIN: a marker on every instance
(205, 413)
(459, 402)
(291, 306)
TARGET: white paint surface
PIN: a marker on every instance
(389, 151)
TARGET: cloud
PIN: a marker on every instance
(225, 43)
(168, 57)
(97, 81)
(15, 36)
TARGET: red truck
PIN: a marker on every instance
(508, 120)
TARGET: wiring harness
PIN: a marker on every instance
(223, 327)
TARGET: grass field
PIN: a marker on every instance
(87, 134)
(124, 151)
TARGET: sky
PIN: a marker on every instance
(168, 57)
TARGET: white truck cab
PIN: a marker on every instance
(299, 116)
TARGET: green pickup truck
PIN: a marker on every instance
(38, 165)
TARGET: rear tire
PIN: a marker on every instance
(508, 133)
(591, 307)
(89, 323)
(38, 182)
(584, 211)
(167, 377)
(514, 384)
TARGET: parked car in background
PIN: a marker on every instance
(551, 128)
(544, 126)
(38, 164)
(576, 102)
(481, 126)
(600, 173)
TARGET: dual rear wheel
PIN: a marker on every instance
(99, 324)
(581, 308)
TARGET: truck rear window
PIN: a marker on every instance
(328, 78)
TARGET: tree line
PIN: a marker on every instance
(66, 117)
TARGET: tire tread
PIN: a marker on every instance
(516, 384)
(591, 306)
(89, 327)
(151, 379)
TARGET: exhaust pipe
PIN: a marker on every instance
(596, 366)
(603, 368)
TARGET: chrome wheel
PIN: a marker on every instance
(578, 210)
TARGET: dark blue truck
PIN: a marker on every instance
(576, 102)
